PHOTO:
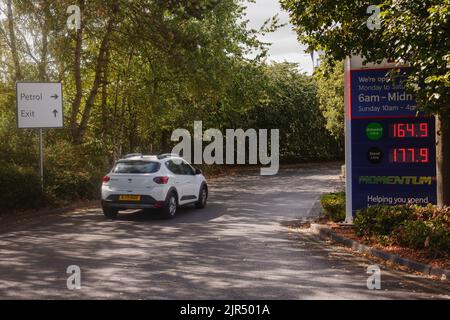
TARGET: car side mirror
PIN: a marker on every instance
(198, 171)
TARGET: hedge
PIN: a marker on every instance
(409, 226)
(20, 188)
(334, 206)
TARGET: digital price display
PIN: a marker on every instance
(409, 155)
(410, 130)
(393, 147)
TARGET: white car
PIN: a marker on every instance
(162, 182)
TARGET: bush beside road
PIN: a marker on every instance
(422, 228)
(418, 233)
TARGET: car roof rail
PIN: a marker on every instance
(167, 155)
(132, 155)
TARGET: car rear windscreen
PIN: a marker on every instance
(136, 167)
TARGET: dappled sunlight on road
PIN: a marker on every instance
(237, 248)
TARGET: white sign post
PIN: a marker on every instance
(39, 106)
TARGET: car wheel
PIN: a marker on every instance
(203, 198)
(171, 206)
(110, 213)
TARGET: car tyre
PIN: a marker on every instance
(171, 206)
(203, 198)
(110, 213)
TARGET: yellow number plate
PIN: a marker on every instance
(129, 198)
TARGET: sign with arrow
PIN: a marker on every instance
(39, 105)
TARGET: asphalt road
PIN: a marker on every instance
(237, 248)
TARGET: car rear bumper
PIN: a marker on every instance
(146, 202)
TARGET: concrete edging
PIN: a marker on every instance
(325, 232)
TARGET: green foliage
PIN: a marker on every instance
(431, 230)
(143, 69)
(330, 89)
(439, 238)
(20, 188)
(291, 104)
(334, 206)
(380, 220)
(431, 212)
(411, 31)
(409, 226)
(417, 234)
(413, 234)
(71, 173)
(74, 172)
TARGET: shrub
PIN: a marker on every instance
(417, 234)
(413, 234)
(70, 173)
(431, 212)
(334, 206)
(381, 220)
(74, 172)
(439, 223)
(440, 238)
(69, 185)
(409, 226)
(20, 188)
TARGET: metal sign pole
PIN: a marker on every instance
(41, 158)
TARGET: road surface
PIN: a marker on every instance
(237, 248)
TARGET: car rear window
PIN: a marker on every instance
(136, 167)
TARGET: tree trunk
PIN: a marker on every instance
(13, 42)
(104, 95)
(443, 160)
(99, 68)
(43, 76)
(77, 75)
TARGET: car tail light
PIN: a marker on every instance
(106, 179)
(161, 180)
(159, 205)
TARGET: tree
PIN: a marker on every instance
(291, 104)
(133, 72)
(330, 89)
(413, 31)
(10, 39)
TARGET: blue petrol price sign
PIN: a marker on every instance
(390, 147)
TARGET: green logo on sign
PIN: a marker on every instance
(374, 131)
